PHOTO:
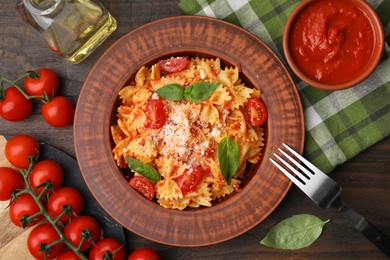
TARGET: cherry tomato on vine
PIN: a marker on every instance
(58, 112)
(144, 186)
(74, 231)
(14, 106)
(18, 148)
(10, 180)
(190, 179)
(155, 110)
(22, 207)
(257, 112)
(42, 235)
(62, 197)
(144, 254)
(174, 64)
(107, 248)
(46, 170)
(68, 255)
(42, 81)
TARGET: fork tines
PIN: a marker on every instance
(301, 177)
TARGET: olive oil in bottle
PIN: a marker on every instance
(72, 28)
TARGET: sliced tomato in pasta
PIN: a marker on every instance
(144, 186)
(190, 179)
(155, 111)
(257, 112)
(174, 64)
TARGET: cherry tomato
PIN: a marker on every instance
(19, 148)
(42, 81)
(24, 206)
(174, 64)
(256, 112)
(41, 235)
(144, 254)
(190, 179)
(10, 180)
(74, 229)
(143, 185)
(15, 107)
(46, 170)
(107, 248)
(155, 110)
(58, 112)
(68, 255)
(62, 197)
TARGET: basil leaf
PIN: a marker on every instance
(296, 232)
(229, 157)
(199, 91)
(171, 92)
(144, 169)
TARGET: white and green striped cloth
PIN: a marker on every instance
(339, 124)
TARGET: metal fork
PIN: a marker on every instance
(325, 192)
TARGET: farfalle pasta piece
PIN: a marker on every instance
(129, 133)
(155, 72)
(120, 150)
(179, 204)
(209, 115)
(168, 190)
(142, 149)
(219, 192)
(220, 96)
(254, 153)
(169, 168)
(141, 77)
(236, 124)
(141, 96)
(136, 119)
(202, 196)
(228, 76)
(116, 133)
(240, 95)
(126, 94)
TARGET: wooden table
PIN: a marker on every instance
(365, 179)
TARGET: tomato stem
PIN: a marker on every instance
(14, 83)
(65, 210)
(60, 240)
(42, 210)
(30, 219)
(81, 243)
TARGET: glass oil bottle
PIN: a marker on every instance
(72, 28)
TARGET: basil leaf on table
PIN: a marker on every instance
(199, 91)
(144, 169)
(172, 92)
(229, 157)
(296, 232)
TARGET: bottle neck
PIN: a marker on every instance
(41, 7)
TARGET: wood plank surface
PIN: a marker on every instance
(365, 179)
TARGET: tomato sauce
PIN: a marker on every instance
(332, 40)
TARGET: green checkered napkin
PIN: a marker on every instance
(339, 124)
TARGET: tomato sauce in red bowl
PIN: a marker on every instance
(333, 44)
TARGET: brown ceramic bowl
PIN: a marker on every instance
(291, 35)
(263, 187)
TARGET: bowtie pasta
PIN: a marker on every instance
(183, 139)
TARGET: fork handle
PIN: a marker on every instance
(366, 228)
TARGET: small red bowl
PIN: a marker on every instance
(306, 52)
